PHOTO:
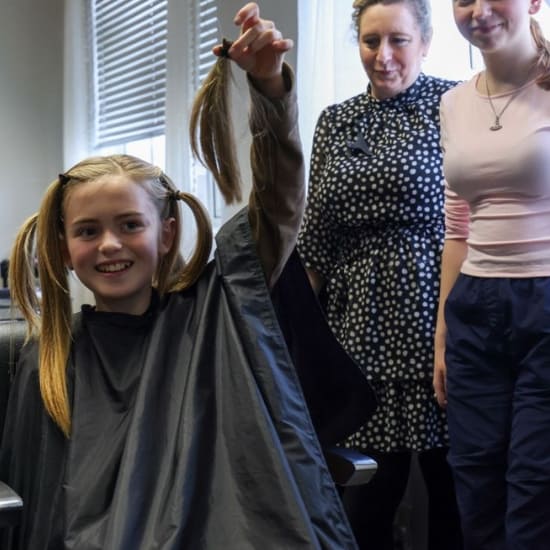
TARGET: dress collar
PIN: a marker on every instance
(411, 95)
(91, 315)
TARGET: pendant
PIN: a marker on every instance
(496, 126)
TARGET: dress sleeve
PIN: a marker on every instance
(277, 199)
(318, 242)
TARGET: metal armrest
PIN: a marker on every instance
(11, 505)
(349, 467)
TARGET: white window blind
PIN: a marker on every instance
(206, 37)
(129, 45)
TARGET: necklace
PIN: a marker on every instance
(497, 125)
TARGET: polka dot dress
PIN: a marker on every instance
(374, 230)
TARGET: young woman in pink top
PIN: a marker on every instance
(492, 344)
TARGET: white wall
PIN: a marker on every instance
(31, 69)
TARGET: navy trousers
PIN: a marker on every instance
(498, 385)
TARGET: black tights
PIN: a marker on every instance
(371, 508)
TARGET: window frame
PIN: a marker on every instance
(181, 86)
(128, 66)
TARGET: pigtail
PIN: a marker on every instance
(173, 272)
(201, 253)
(210, 125)
(543, 49)
(55, 333)
(39, 242)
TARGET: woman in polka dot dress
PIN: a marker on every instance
(371, 242)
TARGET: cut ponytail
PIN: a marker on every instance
(210, 126)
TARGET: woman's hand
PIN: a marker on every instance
(440, 370)
(259, 50)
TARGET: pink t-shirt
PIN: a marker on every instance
(498, 183)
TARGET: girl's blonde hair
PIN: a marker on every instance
(543, 60)
(40, 243)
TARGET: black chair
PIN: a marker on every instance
(338, 396)
(11, 506)
(4, 267)
(12, 336)
(349, 467)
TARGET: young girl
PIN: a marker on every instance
(167, 417)
(493, 327)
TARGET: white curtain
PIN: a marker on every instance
(315, 64)
(328, 69)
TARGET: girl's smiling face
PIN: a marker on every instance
(493, 25)
(114, 238)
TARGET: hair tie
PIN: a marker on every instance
(226, 45)
(171, 193)
(63, 179)
(174, 194)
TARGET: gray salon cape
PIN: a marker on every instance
(202, 439)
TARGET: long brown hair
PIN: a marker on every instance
(210, 125)
(40, 242)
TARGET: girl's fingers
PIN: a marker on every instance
(264, 31)
(246, 12)
(283, 45)
(256, 40)
(260, 46)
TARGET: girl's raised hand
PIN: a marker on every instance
(259, 50)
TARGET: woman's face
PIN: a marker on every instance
(495, 25)
(391, 48)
